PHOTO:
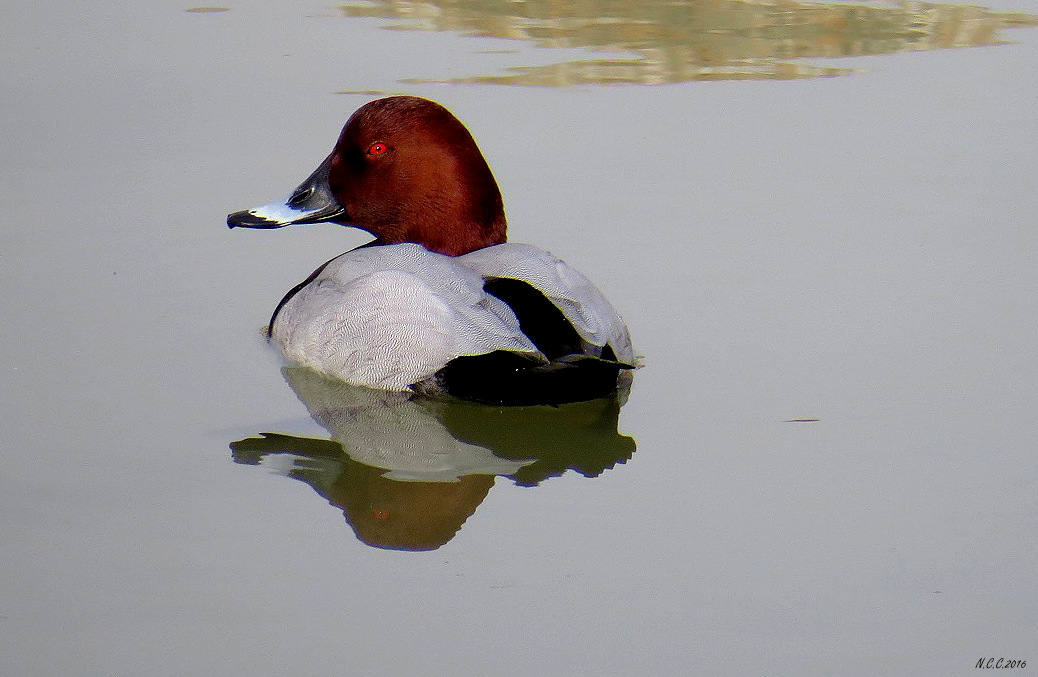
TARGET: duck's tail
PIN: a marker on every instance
(506, 378)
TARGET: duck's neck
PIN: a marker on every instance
(455, 241)
(453, 229)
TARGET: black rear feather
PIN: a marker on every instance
(539, 319)
(508, 378)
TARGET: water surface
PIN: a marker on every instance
(826, 466)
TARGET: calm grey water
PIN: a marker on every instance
(818, 220)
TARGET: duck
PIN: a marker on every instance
(440, 303)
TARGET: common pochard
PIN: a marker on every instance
(439, 302)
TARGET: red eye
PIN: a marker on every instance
(377, 149)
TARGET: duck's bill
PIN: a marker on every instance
(311, 202)
(280, 214)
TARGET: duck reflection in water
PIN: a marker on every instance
(408, 471)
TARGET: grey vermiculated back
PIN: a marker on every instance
(580, 301)
(390, 316)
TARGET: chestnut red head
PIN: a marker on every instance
(405, 170)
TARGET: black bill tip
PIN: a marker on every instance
(249, 219)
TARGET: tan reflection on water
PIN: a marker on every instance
(684, 40)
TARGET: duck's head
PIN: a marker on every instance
(405, 170)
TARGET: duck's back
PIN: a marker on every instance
(392, 316)
(387, 317)
(580, 301)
